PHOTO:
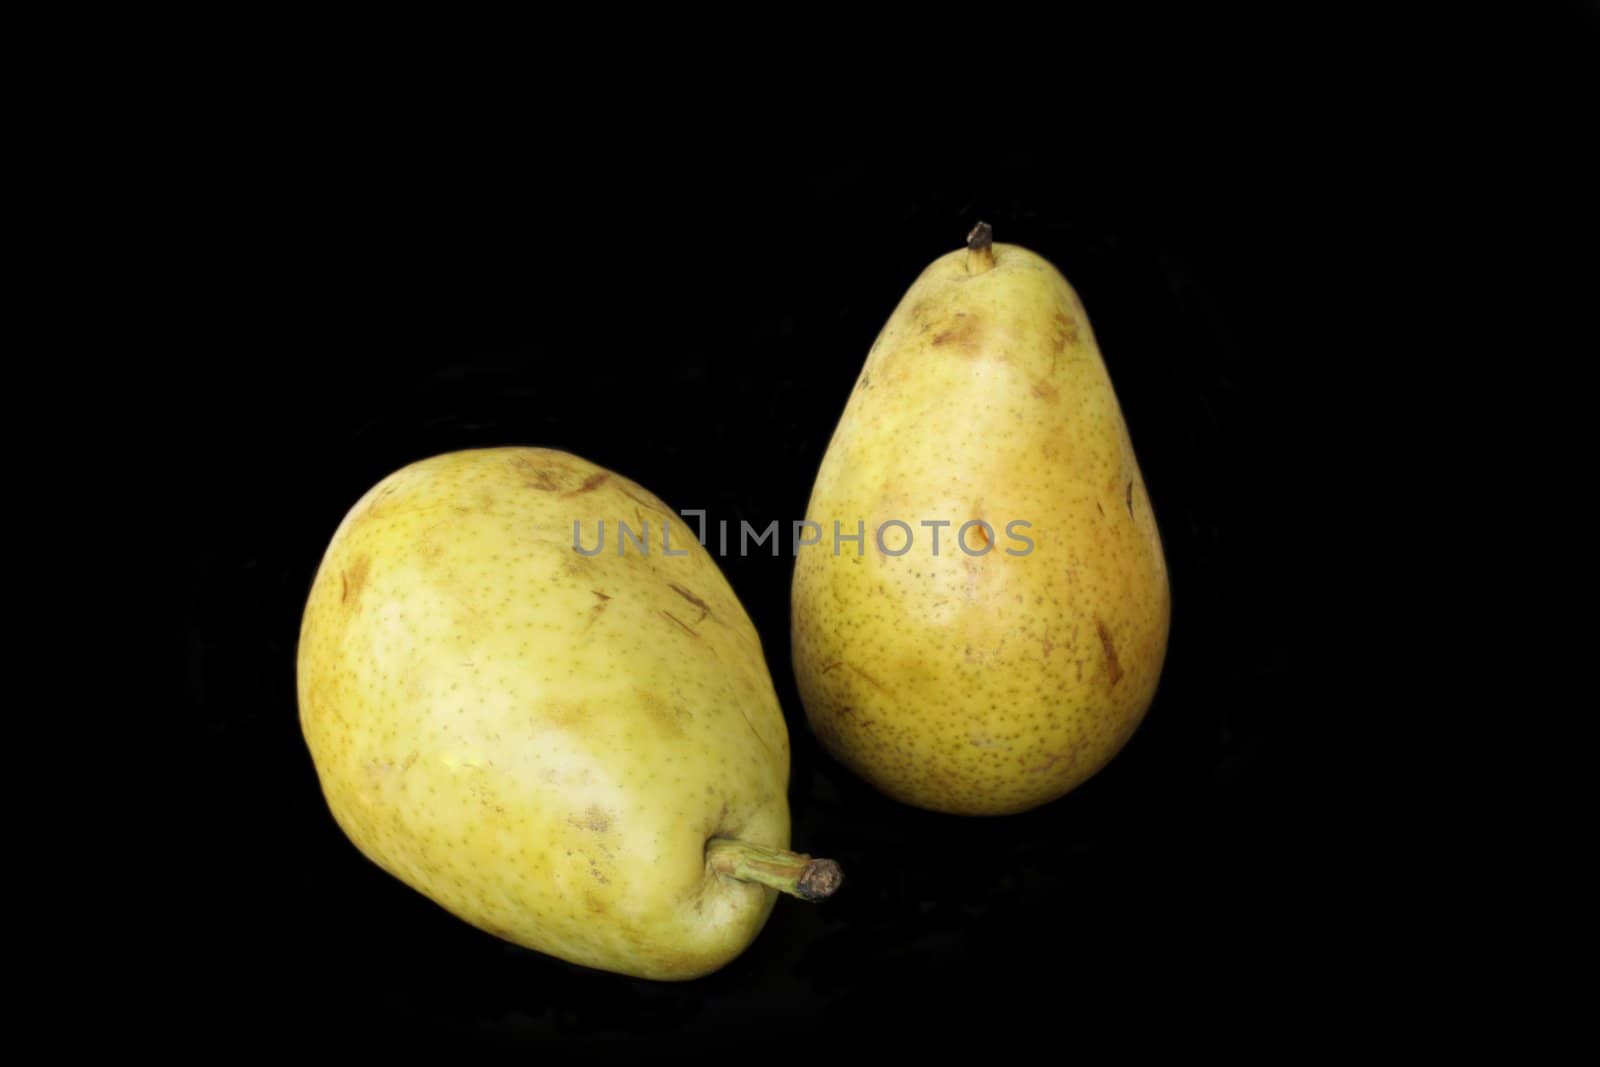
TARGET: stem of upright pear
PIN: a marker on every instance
(980, 248)
(788, 872)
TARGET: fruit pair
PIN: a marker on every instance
(582, 751)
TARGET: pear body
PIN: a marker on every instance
(539, 740)
(991, 679)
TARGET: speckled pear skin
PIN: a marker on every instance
(539, 741)
(982, 685)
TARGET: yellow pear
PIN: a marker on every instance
(1002, 666)
(580, 753)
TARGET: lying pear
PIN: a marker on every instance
(580, 753)
(992, 664)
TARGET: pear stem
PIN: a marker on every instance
(980, 248)
(794, 873)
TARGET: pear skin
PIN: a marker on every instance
(1003, 671)
(580, 754)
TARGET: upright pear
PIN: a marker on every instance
(578, 751)
(997, 634)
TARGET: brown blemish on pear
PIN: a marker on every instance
(869, 679)
(595, 819)
(637, 499)
(1065, 332)
(537, 474)
(963, 335)
(690, 630)
(353, 580)
(590, 484)
(691, 598)
(668, 717)
(1109, 647)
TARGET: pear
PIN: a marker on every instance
(991, 664)
(579, 753)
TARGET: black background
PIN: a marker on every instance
(692, 312)
(705, 346)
